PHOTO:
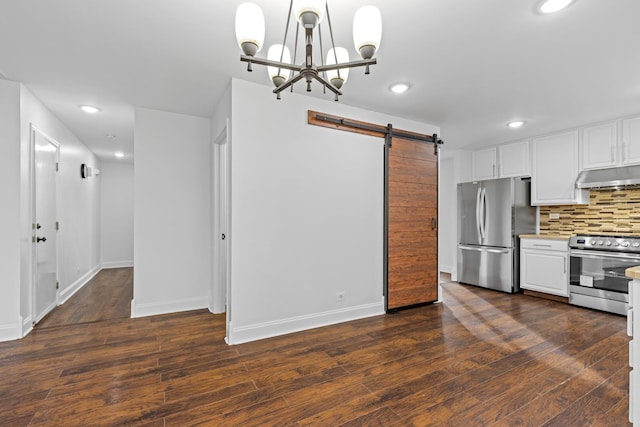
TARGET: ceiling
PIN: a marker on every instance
(473, 65)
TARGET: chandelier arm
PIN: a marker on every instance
(286, 31)
(270, 63)
(351, 64)
(324, 90)
(333, 45)
(331, 87)
(295, 45)
(288, 83)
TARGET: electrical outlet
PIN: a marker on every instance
(554, 216)
(339, 296)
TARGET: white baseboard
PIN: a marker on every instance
(27, 326)
(164, 307)
(260, 331)
(446, 268)
(117, 264)
(11, 331)
(68, 292)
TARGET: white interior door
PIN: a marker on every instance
(44, 225)
(220, 285)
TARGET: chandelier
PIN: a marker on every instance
(331, 73)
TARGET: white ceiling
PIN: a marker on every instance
(473, 65)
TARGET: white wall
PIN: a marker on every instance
(447, 227)
(307, 214)
(116, 214)
(78, 238)
(10, 320)
(172, 212)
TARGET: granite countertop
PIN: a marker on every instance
(545, 236)
(633, 272)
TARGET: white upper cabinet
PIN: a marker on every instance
(506, 160)
(604, 147)
(555, 169)
(630, 141)
(600, 146)
(483, 164)
(514, 159)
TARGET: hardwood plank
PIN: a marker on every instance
(411, 170)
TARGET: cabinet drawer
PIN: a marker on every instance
(544, 244)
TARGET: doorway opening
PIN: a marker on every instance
(220, 293)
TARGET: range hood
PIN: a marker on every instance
(624, 176)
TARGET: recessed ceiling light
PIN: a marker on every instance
(399, 88)
(553, 6)
(516, 124)
(118, 154)
(89, 109)
(111, 136)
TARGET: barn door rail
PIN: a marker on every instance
(386, 132)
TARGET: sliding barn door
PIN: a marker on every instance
(412, 236)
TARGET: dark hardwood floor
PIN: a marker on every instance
(107, 296)
(481, 358)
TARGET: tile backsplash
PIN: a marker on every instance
(608, 211)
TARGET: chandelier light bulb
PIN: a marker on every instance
(367, 31)
(309, 12)
(337, 77)
(250, 28)
(276, 74)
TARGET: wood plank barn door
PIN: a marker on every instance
(412, 235)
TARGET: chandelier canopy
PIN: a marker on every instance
(333, 70)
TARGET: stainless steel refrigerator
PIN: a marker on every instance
(491, 215)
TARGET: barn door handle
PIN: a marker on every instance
(434, 223)
(41, 239)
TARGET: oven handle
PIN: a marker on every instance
(599, 255)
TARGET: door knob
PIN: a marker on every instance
(41, 239)
(223, 236)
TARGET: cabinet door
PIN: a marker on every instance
(544, 271)
(631, 141)
(483, 164)
(555, 169)
(600, 146)
(513, 159)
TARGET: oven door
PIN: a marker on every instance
(597, 279)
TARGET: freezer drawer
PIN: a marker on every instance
(487, 267)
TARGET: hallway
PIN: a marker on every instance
(106, 297)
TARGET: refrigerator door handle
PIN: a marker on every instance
(479, 249)
(483, 213)
(478, 219)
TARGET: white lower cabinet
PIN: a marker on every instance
(544, 265)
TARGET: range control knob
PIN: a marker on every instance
(608, 242)
(625, 244)
(600, 242)
(593, 242)
(616, 244)
(636, 244)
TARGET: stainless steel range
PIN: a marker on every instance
(597, 271)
